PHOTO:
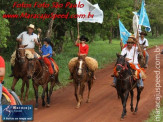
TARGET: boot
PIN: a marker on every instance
(12, 70)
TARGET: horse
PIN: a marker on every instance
(20, 70)
(125, 84)
(82, 75)
(141, 57)
(38, 71)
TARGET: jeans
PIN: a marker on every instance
(140, 83)
(147, 57)
(0, 99)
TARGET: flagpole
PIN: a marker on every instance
(78, 34)
(121, 44)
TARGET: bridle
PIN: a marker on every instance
(123, 67)
(19, 53)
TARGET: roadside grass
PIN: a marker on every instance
(153, 115)
(102, 51)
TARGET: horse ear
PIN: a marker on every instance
(125, 55)
(25, 45)
(117, 54)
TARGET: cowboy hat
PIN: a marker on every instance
(31, 26)
(143, 33)
(84, 38)
(133, 37)
(131, 40)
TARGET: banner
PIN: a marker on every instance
(91, 13)
(124, 34)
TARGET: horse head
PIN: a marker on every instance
(31, 68)
(121, 64)
(80, 65)
(20, 53)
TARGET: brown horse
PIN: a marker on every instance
(20, 70)
(82, 75)
(141, 58)
(38, 71)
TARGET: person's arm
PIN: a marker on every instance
(20, 37)
(36, 42)
(77, 41)
(146, 43)
(87, 49)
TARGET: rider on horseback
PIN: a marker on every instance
(132, 57)
(144, 41)
(26, 38)
(47, 52)
(83, 51)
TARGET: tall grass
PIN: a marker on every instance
(102, 51)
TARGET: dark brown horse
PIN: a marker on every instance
(82, 75)
(141, 58)
(20, 70)
(40, 75)
(125, 84)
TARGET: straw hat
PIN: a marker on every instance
(31, 26)
(131, 40)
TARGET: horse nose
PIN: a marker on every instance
(79, 72)
(29, 77)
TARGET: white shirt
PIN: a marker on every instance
(142, 41)
(28, 39)
(130, 54)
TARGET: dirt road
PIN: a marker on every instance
(104, 106)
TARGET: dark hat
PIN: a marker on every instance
(47, 40)
(143, 33)
(84, 38)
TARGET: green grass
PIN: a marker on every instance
(102, 51)
(152, 116)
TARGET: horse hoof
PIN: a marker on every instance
(121, 119)
(132, 110)
(134, 113)
(88, 101)
(48, 105)
(78, 106)
(36, 108)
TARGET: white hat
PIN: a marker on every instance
(31, 26)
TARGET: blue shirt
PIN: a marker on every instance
(47, 50)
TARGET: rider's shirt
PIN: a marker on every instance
(142, 41)
(2, 65)
(28, 39)
(47, 50)
(83, 49)
(130, 54)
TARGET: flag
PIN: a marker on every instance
(143, 17)
(89, 13)
(123, 32)
(135, 24)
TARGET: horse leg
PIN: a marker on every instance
(132, 94)
(36, 94)
(138, 98)
(15, 80)
(76, 94)
(22, 89)
(51, 89)
(27, 89)
(124, 101)
(47, 97)
(82, 87)
(89, 89)
(43, 94)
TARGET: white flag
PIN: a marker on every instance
(135, 24)
(89, 13)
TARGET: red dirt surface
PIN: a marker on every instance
(104, 106)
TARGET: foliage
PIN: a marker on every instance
(4, 30)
